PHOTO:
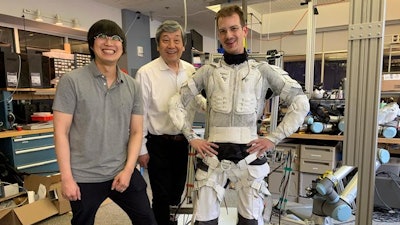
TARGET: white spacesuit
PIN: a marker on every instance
(236, 96)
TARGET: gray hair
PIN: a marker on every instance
(170, 26)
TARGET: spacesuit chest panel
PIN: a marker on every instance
(235, 88)
(248, 91)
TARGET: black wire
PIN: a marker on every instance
(284, 183)
(279, 166)
(287, 174)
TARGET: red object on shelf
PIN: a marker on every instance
(42, 118)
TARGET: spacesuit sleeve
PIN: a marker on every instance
(290, 92)
(183, 105)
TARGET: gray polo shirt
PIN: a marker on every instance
(99, 131)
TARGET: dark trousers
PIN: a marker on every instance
(167, 173)
(134, 201)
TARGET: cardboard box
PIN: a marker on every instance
(58, 200)
(39, 210)
(53, 187)
(390, 82)
(28, 214)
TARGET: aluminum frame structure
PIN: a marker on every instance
(363, 86)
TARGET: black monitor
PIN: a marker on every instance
(197, 40)
(31, 71)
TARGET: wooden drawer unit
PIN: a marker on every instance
(317, 159)
(31, 153)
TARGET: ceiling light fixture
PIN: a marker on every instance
(214, 8)
(38, 16)
(75, 23)
(58, 20)
(216, 5)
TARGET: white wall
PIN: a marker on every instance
(331, 23)
(86, 11)
(272, 23)
(331, 15)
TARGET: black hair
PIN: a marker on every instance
(108, 28)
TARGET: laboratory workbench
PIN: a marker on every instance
(15, 133)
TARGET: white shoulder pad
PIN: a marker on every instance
(278, 70)
(253, 63)
(290, 82)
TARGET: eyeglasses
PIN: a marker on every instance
(105, 37)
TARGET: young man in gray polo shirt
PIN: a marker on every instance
(98, 122)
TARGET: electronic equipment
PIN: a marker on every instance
(9, 69)
(48, 71)
(23, 111)
(36, 70)
(31, 71)
(7, 116)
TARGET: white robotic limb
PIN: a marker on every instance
(327, 203)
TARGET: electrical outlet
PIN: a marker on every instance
(140, 52)
(395, 38)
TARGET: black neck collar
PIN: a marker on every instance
(235, 59)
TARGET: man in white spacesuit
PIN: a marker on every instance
(236, 90)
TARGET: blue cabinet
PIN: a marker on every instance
(31, 153)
